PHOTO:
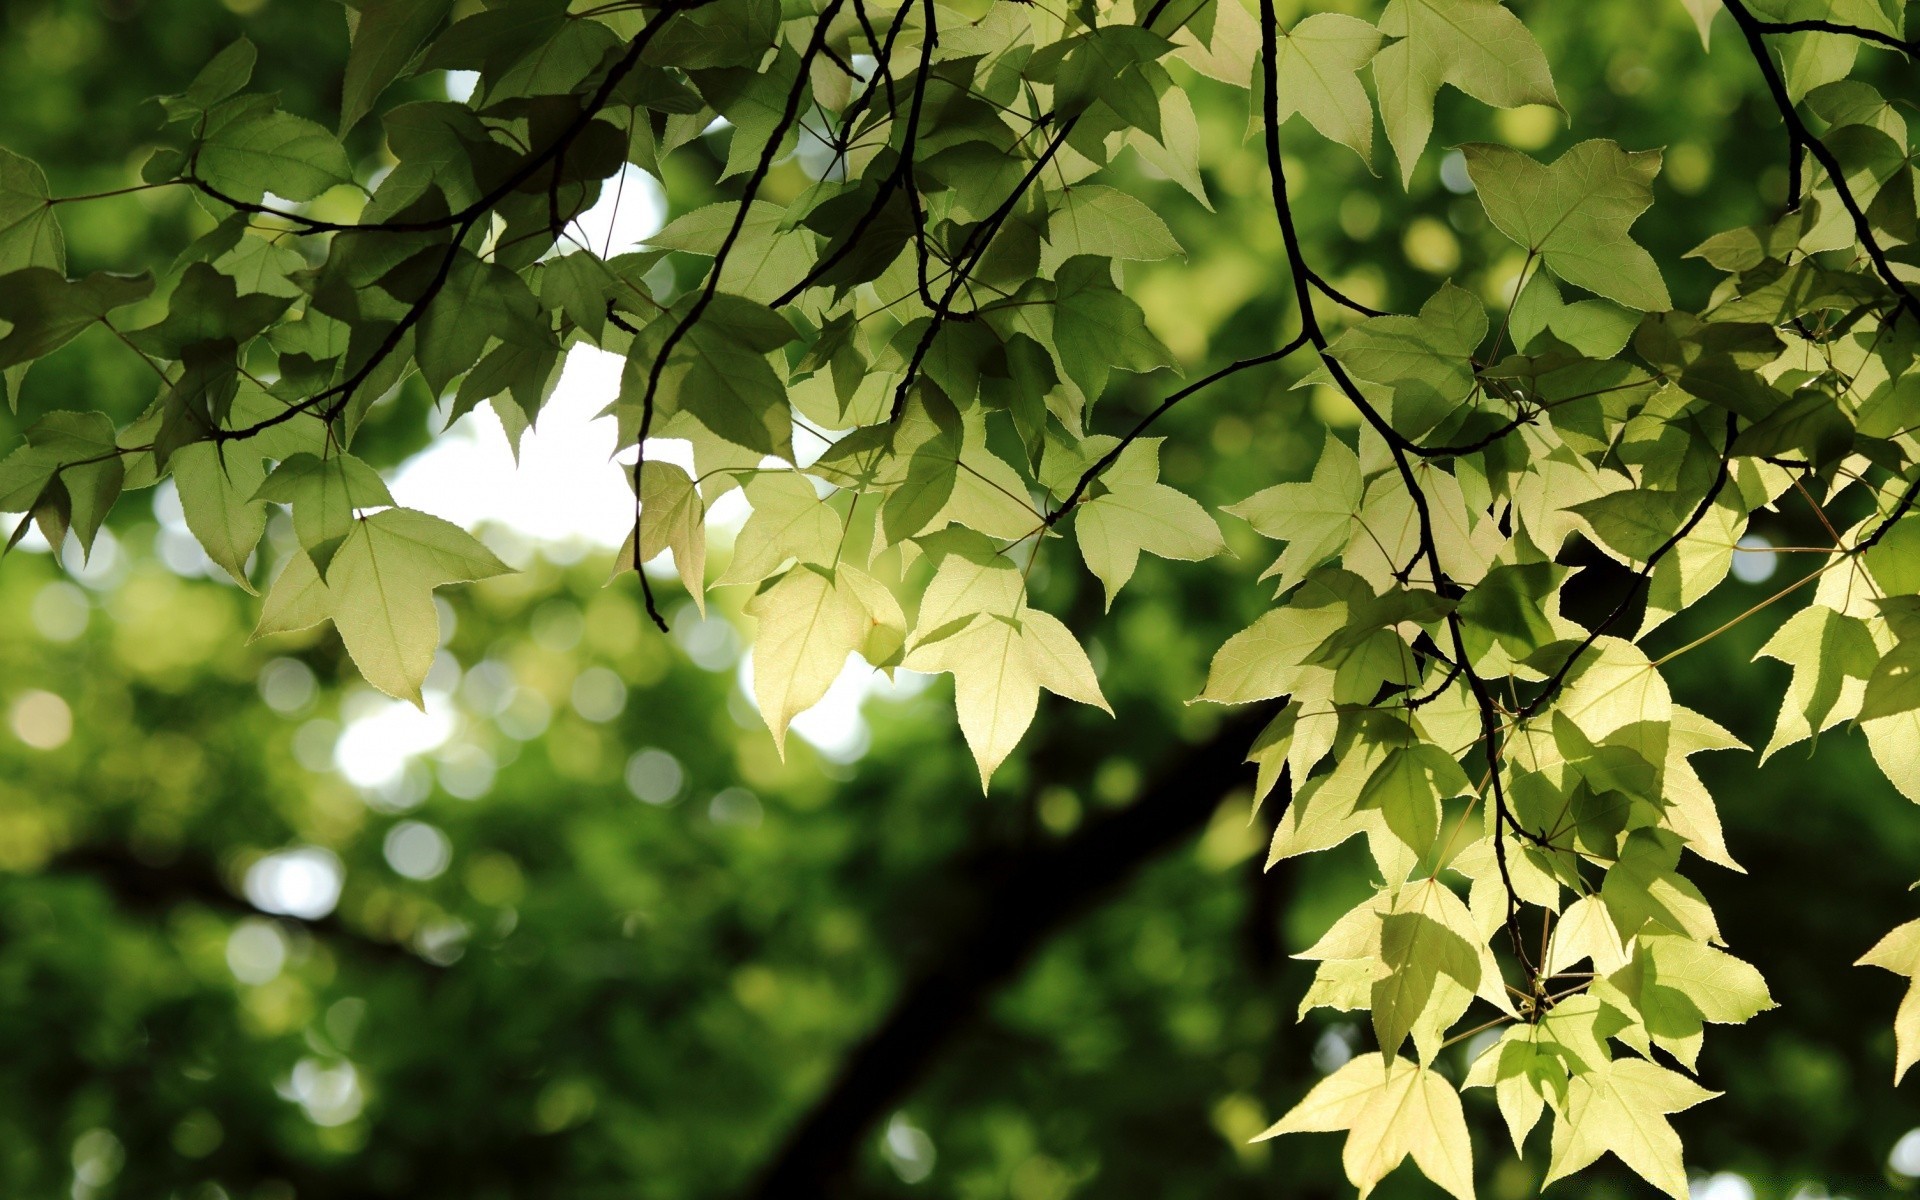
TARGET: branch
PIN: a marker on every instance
(1801, 138)
(788, 115)
(1018, 909)
(142, 885)
(1900, 509)
(1640, 577)
(527, 169)
(1855, 31)
(337, 397)
(1107, 460)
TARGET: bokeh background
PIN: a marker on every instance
(575, 931)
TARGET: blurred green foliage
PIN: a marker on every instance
(595, 939)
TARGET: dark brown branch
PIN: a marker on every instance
(159, 887)
(1640, 577)
(1802, 138)
(337, 397)
(1853, 31)
(1019, 908)
(768, 153)
(1107, 460)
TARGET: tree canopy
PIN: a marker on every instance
(898, 326)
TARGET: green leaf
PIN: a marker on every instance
(29, 233)
(1894, 686)
(1314, 518)
(379, 593)
(1428, 947)
(226, 73)
(1318, 77)
(1621, 1108)
(1899, 952)
(1642, 887)
(975, 624)
(1575, 213)
(249, 152)
(1097, 327)
(217, 495)
(1408, 788)
(1510, 603)
(48, 310)
(1269, 657)
(1094, 219)
(1475, 45)
(385, 35)
(673, 517)
(74, 455)
(323, 493)
(1426, 361)
(1138, 513)
(1391, 1109)
(810, 620)
(1832, 654)
(1636, 522)
(789, 523)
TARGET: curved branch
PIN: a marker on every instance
(1802, 139)
(1640, 577)
(768, 153)
(1018, 908)
(1853, 31)
(1107, 460)
(337, 397)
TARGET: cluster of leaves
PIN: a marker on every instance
(898, 365)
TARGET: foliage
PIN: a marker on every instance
(898, 356)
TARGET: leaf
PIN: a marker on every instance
(1391, 1108)
(789, 523)
(975, 624)
(999, 664)
(1318, 69)
(1585, 932)
(380, 593)
(673, 517)
(323, 494)
(385, 35)
(29, 233)
(809, 621)
(1832, 656)
(1529, 1067)
(251, 152)
(1642, 887)
(1475, 45)
(1267, 658)
(1622, 1108)
(217, 496)
(1899, 952)
(1432, 968)
(1408, 788)
(1636, 522)
(1575, 213)
(1139, 513)
(1094, 219)
(1426, 361)
(48, 310)
(1894, 686)
(1315, 518)
(1703, 12)
(1097, 327)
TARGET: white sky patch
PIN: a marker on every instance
(567, 488)
(303, 882)
(835, 726)
(381, 736)
(631, 208)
